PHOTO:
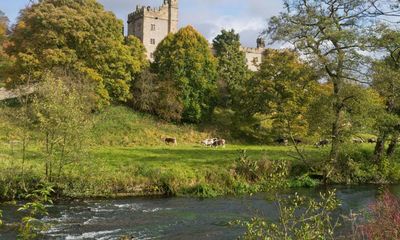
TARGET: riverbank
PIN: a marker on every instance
(190, 170)
(126, 157)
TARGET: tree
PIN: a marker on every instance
(4, 58)
(330, 34)
(3, 25)
(185, 60)
(386, 80)
(144, 90)
(283, 89)
(232, 68)
(79, 35)
(62, 108)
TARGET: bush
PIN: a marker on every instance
(355, 165)
(384, 222)
(246, 167)
(300, 218)
(304, 181)
(16, 186)
(204, 191)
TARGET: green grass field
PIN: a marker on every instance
(129, 171)
(127, 157)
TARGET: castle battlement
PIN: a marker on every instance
(252, 50)
(152, 24)
(141, 11)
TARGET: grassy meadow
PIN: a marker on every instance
(126, 157)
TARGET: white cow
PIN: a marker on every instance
(208, 142)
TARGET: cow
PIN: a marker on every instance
(208, 142)
(169, 141)
(282, 141)
(219, 143)
(372, 140)
(322, 143)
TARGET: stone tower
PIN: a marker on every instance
(152, 25)
(173, 15)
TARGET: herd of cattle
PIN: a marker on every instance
(212, 142)
(216, 142)
(324, 142)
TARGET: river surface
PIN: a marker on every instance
(172, 218)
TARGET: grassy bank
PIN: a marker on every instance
(131, 171)
(120, 126)
(126, 157)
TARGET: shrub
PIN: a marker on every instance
(31, 225)
(272, 174)
(385, 219)
(15, 186)
(304, 181)
(300, 218)
(246, 167)
(204, 191)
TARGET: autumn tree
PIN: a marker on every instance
(185, 60)
(79, 35)
(232, 68)
(330, 34)
(386, 80)
(4, 58)
(282, 90)
(3, 26)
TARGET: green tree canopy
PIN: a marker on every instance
(386, 81)
(185, 59)
(78, 35)
(283, 89)
(331, 33)
(232, 68)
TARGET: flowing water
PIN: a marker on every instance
(171, 218)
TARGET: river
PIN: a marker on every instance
(171, 218)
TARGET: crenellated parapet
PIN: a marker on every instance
(152, 24)
(253, 50)
(148, 11)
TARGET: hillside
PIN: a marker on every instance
(121, 126)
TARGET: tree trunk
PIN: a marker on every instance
(337, 108)
(380, 148)
(336, 125)
(393, 145)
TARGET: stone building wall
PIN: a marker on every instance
(152, 25)
(253, 57)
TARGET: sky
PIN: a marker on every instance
(247, 17)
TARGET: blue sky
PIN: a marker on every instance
(248, 17)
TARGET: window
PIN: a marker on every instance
(152, 41)
(153, 27)
(255, 59)
(151, 55)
